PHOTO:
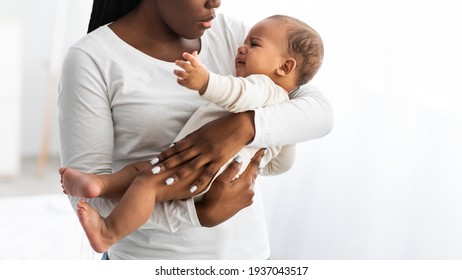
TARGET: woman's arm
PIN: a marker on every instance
(87, 138)
(85, 120)
(308, 115)
(211, 146)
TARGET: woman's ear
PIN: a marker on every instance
(287, 66)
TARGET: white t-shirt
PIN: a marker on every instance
(117, 105)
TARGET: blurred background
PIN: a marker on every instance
(384, 184)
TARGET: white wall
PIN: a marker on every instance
(10, 96)
(386, 182)
(37, 19)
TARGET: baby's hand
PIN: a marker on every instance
(195, 75)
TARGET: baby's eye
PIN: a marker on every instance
(253, 44)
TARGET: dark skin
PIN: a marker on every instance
(160, 39)
(162, 31)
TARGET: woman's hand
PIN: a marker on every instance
(227, 196)
(164, 192)
(209, 148)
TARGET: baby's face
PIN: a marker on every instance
(263, 50)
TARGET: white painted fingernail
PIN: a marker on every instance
(193, 189)
(155, 170)
(266, 151)
(169, 181)
(154, 160)
(238, 159)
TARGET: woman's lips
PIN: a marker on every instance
(206, 23)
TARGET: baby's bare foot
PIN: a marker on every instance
(94, 227)
(80, 184)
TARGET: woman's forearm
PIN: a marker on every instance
(308, 115)
(246, 120)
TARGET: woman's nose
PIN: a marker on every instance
(213, 4)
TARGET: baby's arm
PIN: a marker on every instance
(234, 94)
(281, 163)
(237, 94)
(195, 75)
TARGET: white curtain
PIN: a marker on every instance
(386, 182)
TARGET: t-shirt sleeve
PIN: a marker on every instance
(84, 120)
(306, 116)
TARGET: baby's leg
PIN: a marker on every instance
(95, 227)
(111, 186)
(81, 184)
(133, 210)
(135, 207)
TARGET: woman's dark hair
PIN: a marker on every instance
(107, 11)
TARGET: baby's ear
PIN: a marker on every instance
(287, 66)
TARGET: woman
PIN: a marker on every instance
(119, 102)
